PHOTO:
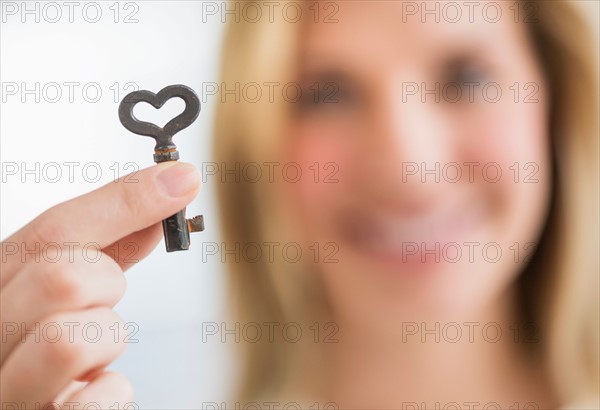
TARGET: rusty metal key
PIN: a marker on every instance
(176, 228)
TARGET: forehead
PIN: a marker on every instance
(388, 29)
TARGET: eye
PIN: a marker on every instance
(325, 93)
(327, 90)
(464, 72)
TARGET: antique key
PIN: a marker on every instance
(176, 228)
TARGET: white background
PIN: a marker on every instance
(169, 296)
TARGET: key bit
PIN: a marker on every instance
(176, 228)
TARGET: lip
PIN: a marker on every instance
(413, 241)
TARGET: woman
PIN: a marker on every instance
(386, 141)
(443, 211)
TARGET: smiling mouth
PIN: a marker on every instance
(398, 239)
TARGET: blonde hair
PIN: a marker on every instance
(561, 283)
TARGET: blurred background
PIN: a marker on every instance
(64, 68)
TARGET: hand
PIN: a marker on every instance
(61, 287)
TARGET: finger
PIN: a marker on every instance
(135, 247)
(44, 289)
(107, 214)
(107, 391)
(69, 391)
(45, 364)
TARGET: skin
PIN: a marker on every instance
(82, 290)
(371, 133)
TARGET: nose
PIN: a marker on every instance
(411, 140)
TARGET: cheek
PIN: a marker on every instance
(514, 139)
(325, 160)
(510, 133)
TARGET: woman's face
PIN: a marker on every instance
(432, 146)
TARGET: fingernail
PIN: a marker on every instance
(178, 179)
